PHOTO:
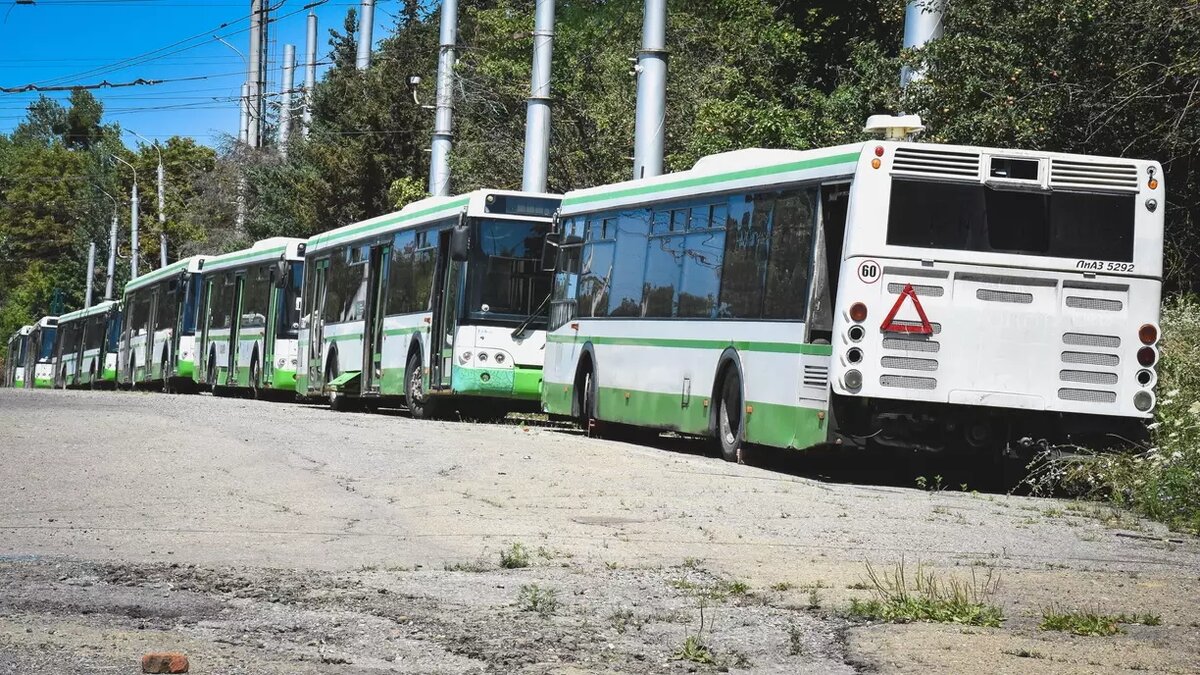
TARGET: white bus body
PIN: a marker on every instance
(87, 345)
(251, 300)
(39, 354)
(381, 296)
(745, 268)
(15, 361)
(158, 339)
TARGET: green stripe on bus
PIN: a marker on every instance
(688, 343)
(341, 338)
(392, 332)
(337, 237)
(219, 262)
(719, 178)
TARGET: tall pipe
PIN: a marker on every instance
(91, 274)
(133, 232)
(439, 162)
(923, 23)
(112, 256)
(651, 92)
(537, 109)
(365, 25)
(162, 214)
(285, 98)
(310, 73)
(244, 117)
(254, 75)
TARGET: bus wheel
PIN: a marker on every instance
(585, 398)
(168, 386)
(414, 390)
(730, 428)
(255, 378)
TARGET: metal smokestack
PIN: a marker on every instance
(285, 98)
(439, 162)
(537, 110)
(254, 75)
(365, 24)
(651, 92)
(310, 73)
(923, 23)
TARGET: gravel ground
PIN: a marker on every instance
(274, 538)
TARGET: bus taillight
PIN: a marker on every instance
(1146, 356)
(1148, 334)
(858, 312)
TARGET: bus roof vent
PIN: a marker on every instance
(926, 161)
(1065, 173)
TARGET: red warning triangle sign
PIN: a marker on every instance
(890, 325)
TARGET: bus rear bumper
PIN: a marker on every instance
(520, 383)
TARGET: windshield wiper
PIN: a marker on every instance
(524, 325)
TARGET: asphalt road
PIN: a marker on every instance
(277, 538)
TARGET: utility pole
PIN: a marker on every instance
(922, 24)
(651, 68)
(162, 182)
(285, 98)
(310, 73)
(443, 127)
(254, 74)
(112, 244)
(366, 23)
(133, 222)
(91, 274)
(537, 109)
(244, 117)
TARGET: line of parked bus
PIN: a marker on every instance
(883, 293)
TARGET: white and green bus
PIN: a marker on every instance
(86, 349)
(442, 304)
(249, 318)
(158, 338)
(884, 293)
(39, 354)
(14, 364)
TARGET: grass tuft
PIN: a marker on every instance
(694, 650)
(514, 557)
(1092, 624)
(899, 598)
(532, 598)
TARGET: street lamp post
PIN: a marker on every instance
(112, 246)
(133, 222)
(162, 216)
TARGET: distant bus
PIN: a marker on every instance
(442, 303)
(39, 354)
(921, 296)
(158, 342)
(14, 361)
(249, 317)
(86, 349)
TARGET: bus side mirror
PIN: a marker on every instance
(281, 273)
(460, 241)
(550, 246)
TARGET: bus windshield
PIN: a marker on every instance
(47, 346)
(190, 302)
(289, 305)
(504, 278)
(114, 332)
(974, 217)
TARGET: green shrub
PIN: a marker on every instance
(924, 597)
(514, 557)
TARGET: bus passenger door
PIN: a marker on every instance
(235, 316)
(381, 257)
(446, 292)
(316, 326)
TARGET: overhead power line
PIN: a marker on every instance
(99, 85)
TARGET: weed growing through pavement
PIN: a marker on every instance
(533, 598)
(623, 619)
(1024, 653)
(782, 586)
(926, 597)
(1092, 624)
(693, 648)
(514, 557)
(795, 640)
(466, 566)
(814, 598)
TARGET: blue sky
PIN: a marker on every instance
(85, 41)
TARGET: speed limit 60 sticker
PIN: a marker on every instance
(868, 271)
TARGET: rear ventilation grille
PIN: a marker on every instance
(930, 162)
(1089, 340)
(1099, 304)
(1068, 174)
(907, 382)
(1090, 359)
(907, 363)
(1087, 395)
(816, 376)
(1004, 296)
(922, 291)
(1087, 377)
(912, 344)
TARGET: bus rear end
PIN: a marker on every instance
(997, 298)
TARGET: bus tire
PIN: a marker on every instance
(256, 391)
(168, 386)
(585, 396)
(419, 404)
(731, 417)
